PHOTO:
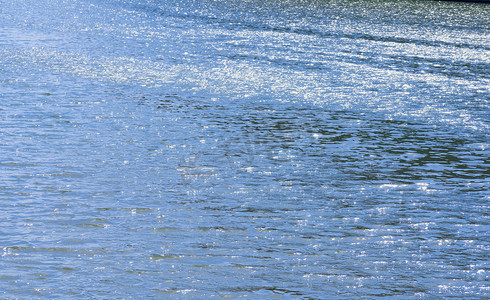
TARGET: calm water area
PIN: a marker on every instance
(209, 149)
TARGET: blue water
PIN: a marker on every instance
(244, 148)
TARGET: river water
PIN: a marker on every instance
(244, 148)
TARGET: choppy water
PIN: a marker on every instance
(241, 148)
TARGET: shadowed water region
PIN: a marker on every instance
(258, 149)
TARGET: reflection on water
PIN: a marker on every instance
(250, 149)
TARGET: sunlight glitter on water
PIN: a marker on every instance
(243, 149)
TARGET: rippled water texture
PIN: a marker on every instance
(244, 148)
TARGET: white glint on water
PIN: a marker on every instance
(244, 149)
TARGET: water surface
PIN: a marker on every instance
(258, 149)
